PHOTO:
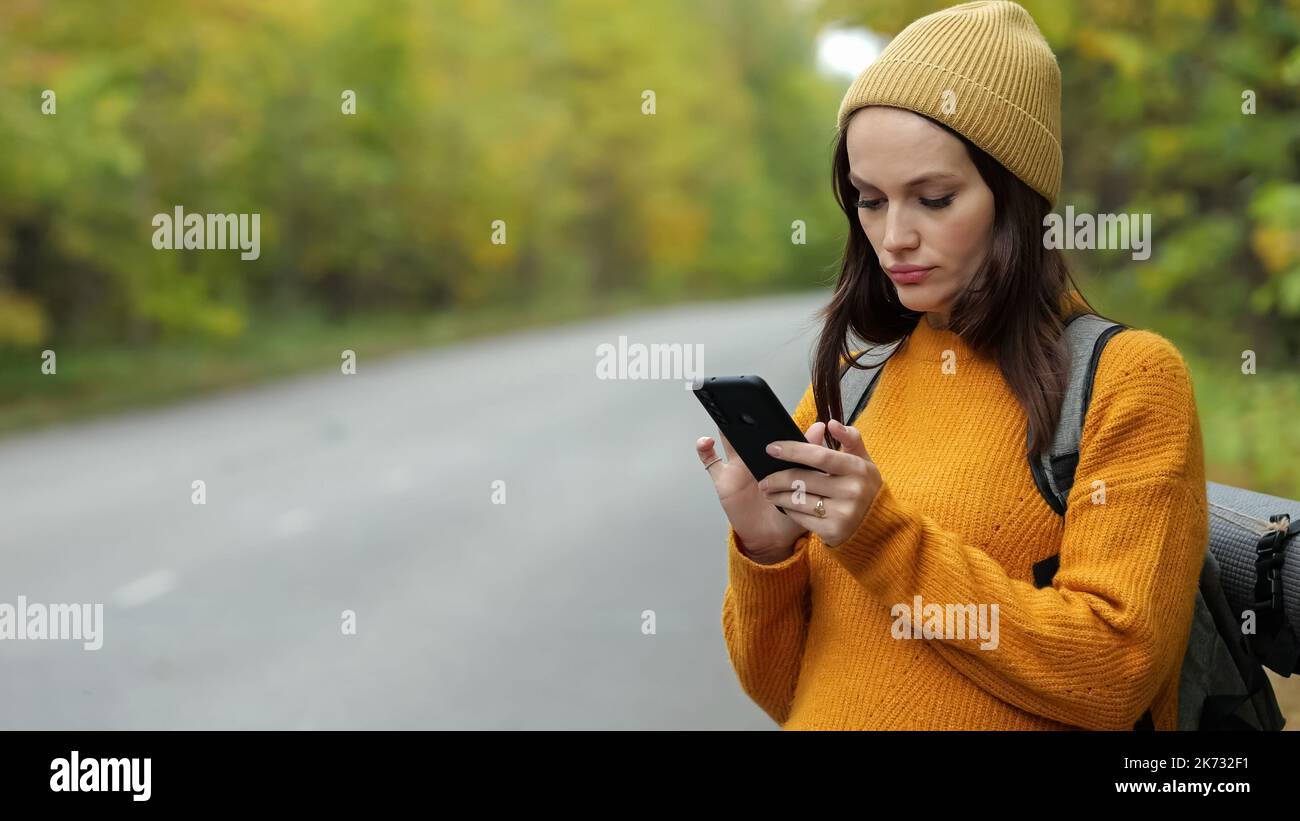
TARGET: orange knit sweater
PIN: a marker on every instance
(959, 521)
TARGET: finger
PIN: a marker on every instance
(804, 504)
(816, 433)
(850, 437)
(813, 481)
(704, 449)
(836, 463)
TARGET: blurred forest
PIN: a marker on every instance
(534, 114)
(467, 112)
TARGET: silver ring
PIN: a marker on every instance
(710, 464)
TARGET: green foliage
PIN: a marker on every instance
(466, 113)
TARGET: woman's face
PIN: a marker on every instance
(921, 203)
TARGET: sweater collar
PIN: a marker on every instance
(928, 344)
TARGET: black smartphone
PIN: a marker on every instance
(751, 417)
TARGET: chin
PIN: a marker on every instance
(919, 298)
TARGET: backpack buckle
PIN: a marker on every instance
(1270, 554)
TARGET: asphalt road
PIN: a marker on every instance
(373, 493)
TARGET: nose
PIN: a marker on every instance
(899, 235)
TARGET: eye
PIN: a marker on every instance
(942, 202)
(936, 204)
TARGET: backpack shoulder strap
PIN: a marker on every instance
(1053, 469)
(1086, 336)
(857, 383)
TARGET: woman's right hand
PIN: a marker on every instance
(767, 533)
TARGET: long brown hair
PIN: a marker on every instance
(1013, 310)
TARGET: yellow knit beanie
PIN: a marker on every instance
(984, 70)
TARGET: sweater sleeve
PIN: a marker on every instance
(1093, 649)
(765, 623)
(765, 612)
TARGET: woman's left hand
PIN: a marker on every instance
(846, 481)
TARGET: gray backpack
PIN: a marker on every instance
(1223, 685)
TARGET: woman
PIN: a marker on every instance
(948, 158)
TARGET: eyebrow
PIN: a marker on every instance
(935, 175)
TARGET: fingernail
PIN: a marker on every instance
(774, 449)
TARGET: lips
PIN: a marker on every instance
(908, 274)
